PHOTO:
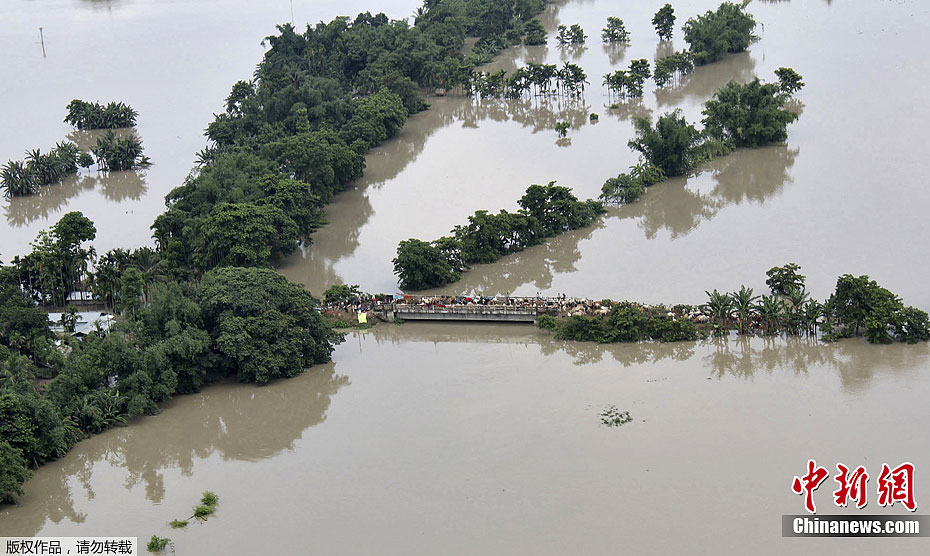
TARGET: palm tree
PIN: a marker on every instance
(770, 308)
(744, 301)
(812, 311)
(795, 300)
(720, 305)
(17, 179)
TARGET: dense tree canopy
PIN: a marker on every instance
(748, 115)
(545, 211)
(670, 145)
(262, 325)
(714, 34)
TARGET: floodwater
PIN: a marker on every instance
(174, 61)
(470, 439)
(392, 450)
(847, 193)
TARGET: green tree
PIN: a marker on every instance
(782, 280)
(615, 31)
(262, 325)
(744, 303)
(13, 473)
(670, 145)
(421, 265)
(710, 36)
(748, 115)
(664, 22)
(244, 234)
(535, 33)
(789, 81)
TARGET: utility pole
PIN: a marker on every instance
(42, 40)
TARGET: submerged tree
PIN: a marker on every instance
(710, 36)
(670, 145)
(789, 81)
(117, 154)
(748, 115)
(92, 115)
(262, 325)
(421, 265)
(664, 22)
(615, 31)
(573, 35)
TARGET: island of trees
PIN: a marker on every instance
(205, 303)
(545, 211)
(111, 153)
(738, 115)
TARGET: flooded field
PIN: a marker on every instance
(822, 200)
(457, 439)
(392, 450)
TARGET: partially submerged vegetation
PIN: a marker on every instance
(615, 31)
(116, 154)
(716, 33)
(93, 115)
(158, 544)
(20, 178)
(545, 211)
(738, 115)
(573, 35)
(199, 306)
(613, 417)
(293, 137)
(858, 305)
(664, 22)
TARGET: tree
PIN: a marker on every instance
(13, 473)
(320, 158)
(720, 305)
(115, 154)
(244, 234)
(341, 293)
(744, 303)
(664, 22)
(87, 115)
(562, 128)
(130, 292)
(789, 81)
(748, 115)
(262, 325)
(714, 34)
(535, 33)
(860, 302)
(615, 31)
(296, 200)
(421, 265)
(782, 280)
(573, 35)
(669, 146)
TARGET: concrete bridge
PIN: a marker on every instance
(491, 312)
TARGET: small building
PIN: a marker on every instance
(87, 322)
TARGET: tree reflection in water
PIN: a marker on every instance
(235, 421)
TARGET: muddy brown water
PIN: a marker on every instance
(470, 439)
(393, 450)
